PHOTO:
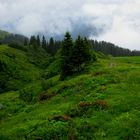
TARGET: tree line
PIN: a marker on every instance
(50, 46)
(110, 49)
(13, 38)
(107, 48)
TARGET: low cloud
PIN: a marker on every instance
(116, 21)
(120, 21)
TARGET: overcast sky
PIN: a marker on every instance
(118, 21)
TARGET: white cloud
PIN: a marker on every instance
(31, 16)
(100, 10)
(120, 20)
(123, 34)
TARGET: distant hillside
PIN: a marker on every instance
(108, 48)
(3, 34)
(54, 43)
(6, 37)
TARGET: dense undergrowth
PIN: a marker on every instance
(100, 103)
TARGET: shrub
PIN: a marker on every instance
(44, 95)
(76, 112)
(52, 131)
(3, 137)
(97, 104)
(53, 69)
(29, 94)
(85, 130)
(64, 118)
(47, 84)
(101, 104)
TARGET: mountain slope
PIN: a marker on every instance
(15, 69)
(3, 34)
(102, 103)
(6, 37)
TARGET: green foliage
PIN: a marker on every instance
(2, 137)
(33, 41)
(52, 130)
(3, 34)
(44, 44)
(38, 57)
(53, 69)
(47, 84)
(65, 56)
(38, 41)
(17, 45)
(15, 70)
(50, 47)
(108, 48)
(80, 54)
(26, 42)
(29, 93)
(97, 104)
(74, 56)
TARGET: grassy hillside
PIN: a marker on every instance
(101, 103)
(15, 69)
(3, 34)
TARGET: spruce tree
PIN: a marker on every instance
(38, 40)
(76, 55)
(87, 51)
(80, 54)
(25, 42)
(44, 44)
(33, 42)
(65, 56)
(50, 47)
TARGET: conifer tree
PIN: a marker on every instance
(87, 51)
(50, 47)
(51, 42)
(74, 56)
(38, 40)
(44, 44)
(25, 42)
(33, 42)
(65, 56)
(80, 55)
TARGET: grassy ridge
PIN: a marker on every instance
(101, 103)
(16, 70)
(3, 34)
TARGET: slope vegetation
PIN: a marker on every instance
(15, 69)
(3, 34)
(101, 103)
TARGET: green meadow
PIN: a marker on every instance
(100, 103)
